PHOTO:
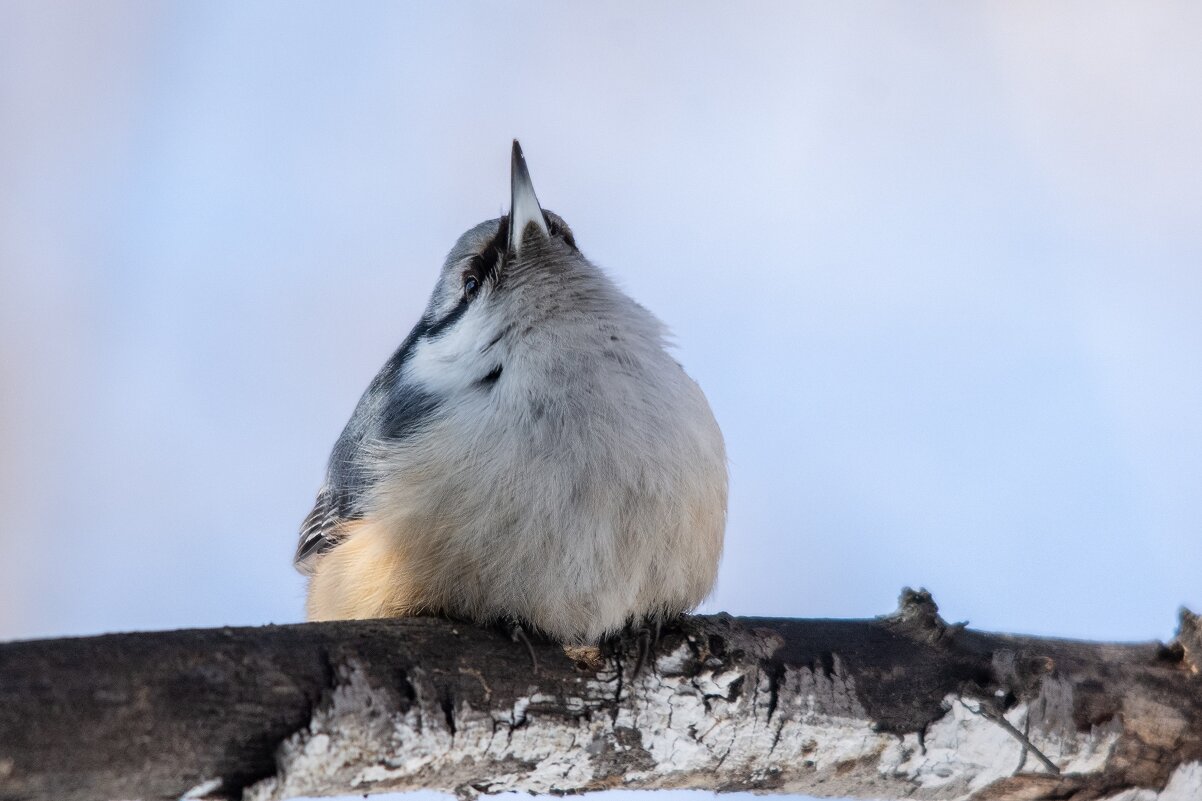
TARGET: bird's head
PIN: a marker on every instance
(509, 286)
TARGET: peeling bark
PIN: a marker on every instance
(903, 706)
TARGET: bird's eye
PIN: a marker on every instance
(471, 285)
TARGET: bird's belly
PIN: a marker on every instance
(576, 585)
(575, 555)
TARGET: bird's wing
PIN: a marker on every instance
(321, 530)
(387, 413)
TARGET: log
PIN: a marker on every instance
(903, 706)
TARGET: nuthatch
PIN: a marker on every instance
(530, 454)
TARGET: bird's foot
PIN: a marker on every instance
(643, 635)
(648, 638)
(517, 632)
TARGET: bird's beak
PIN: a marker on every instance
(524, 210)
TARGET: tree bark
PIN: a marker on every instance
(903, 706)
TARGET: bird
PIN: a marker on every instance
(531, 455)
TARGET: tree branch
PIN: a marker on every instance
(904, 706)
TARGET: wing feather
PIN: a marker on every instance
(320, 531)
(387, 412)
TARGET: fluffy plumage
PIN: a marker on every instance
(531, 452)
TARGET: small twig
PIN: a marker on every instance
(1022, 759)
(986, 711)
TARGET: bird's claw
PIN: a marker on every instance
(517, 632)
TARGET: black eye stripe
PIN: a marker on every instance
(489, 260)
(485, 265)
(488, 263)
(435, 329)
(557, 230)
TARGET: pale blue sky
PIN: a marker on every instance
(937, 266)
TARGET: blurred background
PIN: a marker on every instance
(937, 266)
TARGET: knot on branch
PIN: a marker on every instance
(1188, 642)
(917, 617)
